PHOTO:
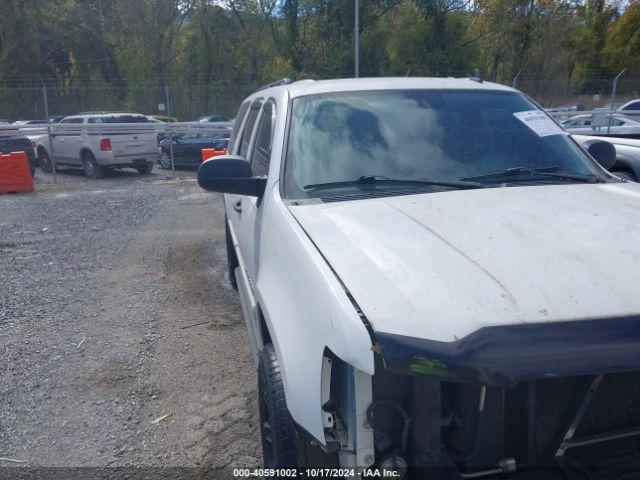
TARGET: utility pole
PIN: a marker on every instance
(357, 39)
(167, 105)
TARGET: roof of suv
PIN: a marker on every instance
(312, 87)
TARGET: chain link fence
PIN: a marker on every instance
(181, 103)
(189, 103)
(166, 149)
(181, 137)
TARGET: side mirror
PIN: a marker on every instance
(603, 152)
(230, 174)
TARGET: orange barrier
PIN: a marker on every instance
(208, 153)
(15, 175)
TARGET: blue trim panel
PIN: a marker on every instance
(507, 355)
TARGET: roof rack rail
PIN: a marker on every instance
(282, 81)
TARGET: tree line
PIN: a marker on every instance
(552, 49)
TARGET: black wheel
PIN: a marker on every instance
(165, 160)
(232, 259)
(145, 169)
(44, 162)
(626, 175)
(91, 167)
(276, 426)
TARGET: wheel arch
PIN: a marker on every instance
(84, 150)
(305, 310)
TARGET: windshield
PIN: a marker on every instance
(424, 134)
(119, 119)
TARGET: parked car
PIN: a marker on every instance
(219, 121)
(631, 108)
(433, 275)
(213, 119)
(29, 122)
(187, 148)
(621, 126)
(572, 107)
(13, 140)
(164, 118)
(96, 150)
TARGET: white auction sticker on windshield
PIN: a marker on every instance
(539, 122)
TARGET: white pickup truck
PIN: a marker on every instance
(437, 282)
(97, 142)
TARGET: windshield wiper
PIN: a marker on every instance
(544, 172)
(380, 180)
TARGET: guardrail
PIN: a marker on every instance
(169, 136)
(602, 122)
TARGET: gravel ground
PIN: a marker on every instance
(115, 310)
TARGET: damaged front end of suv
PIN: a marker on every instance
(520, 400)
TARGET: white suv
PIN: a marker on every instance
(97, 142)
(436, 279)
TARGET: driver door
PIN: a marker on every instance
(241, 210)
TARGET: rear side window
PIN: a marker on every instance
(245, 140)
(221, 144)
(119, 119)
(633, 106)
(237, 124)
(262, 151)
(71, 120)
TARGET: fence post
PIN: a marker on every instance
(45, 100)
(52, 157)
(173, 165)
(166, 101)
(613, 97)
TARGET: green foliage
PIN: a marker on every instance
(121, 53)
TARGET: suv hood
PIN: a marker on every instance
(440, 266)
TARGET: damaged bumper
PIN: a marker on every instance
(507, 355)
(507, 398)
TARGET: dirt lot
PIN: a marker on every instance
(115, 310)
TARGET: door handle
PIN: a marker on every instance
(237, 206)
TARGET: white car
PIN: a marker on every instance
(631, 108)
(621, 126)
(97, 142)
(435, 277)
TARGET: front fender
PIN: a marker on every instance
(306, 310)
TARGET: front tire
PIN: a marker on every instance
(277, 431)
(91, 168)
(145, 169)
(44, 161)
(165, 160)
